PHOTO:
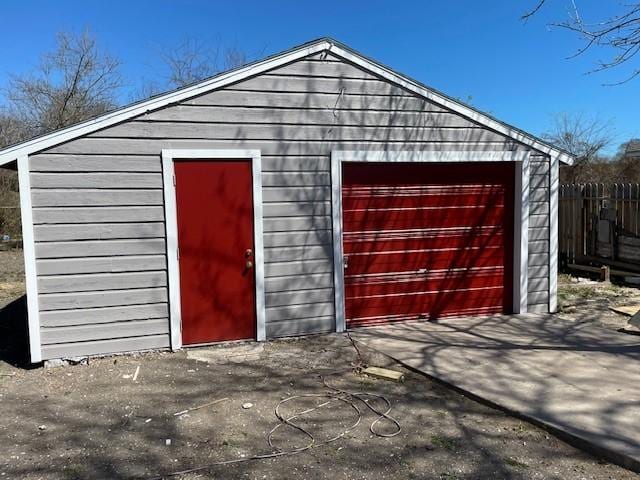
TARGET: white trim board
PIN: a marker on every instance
(522, 253)
(29, 252)
(521, 198)
(554, 182)
(63, 135)
(171, 219)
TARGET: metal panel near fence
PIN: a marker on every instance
(599, 220)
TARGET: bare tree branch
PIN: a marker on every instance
(618, 33)
(193, 60)
(74, 82)
(527, 15)
(586, 138)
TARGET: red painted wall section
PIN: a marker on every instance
(427, 240)
(215, 232)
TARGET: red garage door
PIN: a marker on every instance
(427, 240)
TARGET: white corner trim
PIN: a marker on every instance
(12, 153)
(517, 233)
(171, 219)
(258, 244)
(523, 253)
(521, 211)
(554, 182)
(29, 252)
(338, 254)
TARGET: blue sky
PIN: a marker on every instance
(469, 49)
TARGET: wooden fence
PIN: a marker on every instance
(599, 221)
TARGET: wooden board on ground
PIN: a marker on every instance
(628, 310)
(384, 373)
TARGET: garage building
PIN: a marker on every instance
(312, 191)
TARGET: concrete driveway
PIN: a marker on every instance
(579, 380)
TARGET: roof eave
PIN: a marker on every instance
(60, 136)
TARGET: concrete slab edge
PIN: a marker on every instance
(557, 431)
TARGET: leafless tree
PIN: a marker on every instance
(12, 130)
(193, 60)
(74, 82)
(586, 138)
(619, 33)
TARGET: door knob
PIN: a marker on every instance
(249, 264)
(248, 252)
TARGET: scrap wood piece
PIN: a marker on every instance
(177, 414)
(628, 310)
(384, 373)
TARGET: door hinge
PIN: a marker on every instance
(178, 253)
(174, 180)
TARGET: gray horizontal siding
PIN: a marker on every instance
(124, 263)
(347, 102)
(95, 198)
(99, 219)
(303, 239)
(96, 163)
(288, 115)
(84, 215)
(283, 224)
(301, 326)
(99, 347)
(100, 281)
(296, 209)
(299, 253)
(274, 82)
(299, 297)
(538, 270)
(99, 231)
(104, 331)
(314, 68)
(295, 164)
(66, 318)
(297, 282)
(276, 269)
(148, 146)
(304, 133)
(110, 298)
(100, 248)
(77, 180)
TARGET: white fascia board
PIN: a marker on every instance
(66, 134)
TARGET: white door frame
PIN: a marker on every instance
(521, 210)
(171, 221)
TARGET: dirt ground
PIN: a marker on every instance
(581, 299)
(11, 275)
(95, 421)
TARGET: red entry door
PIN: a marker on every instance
(214, 200)
(427, 240)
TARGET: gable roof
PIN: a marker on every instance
(13, 152)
